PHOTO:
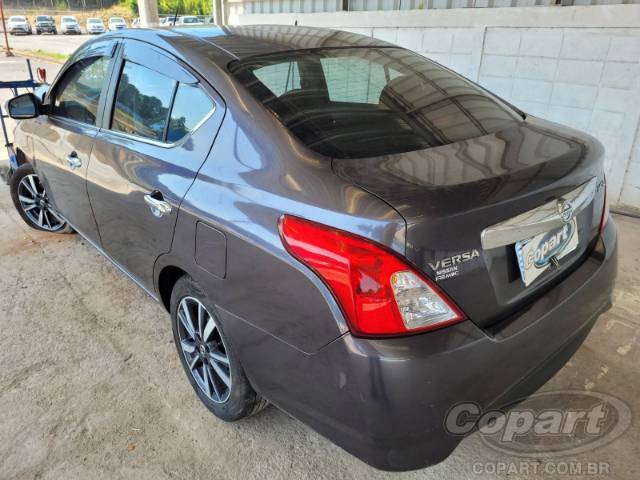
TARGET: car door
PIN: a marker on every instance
(63, 139)
(160, 122)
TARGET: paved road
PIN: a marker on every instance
(91, 385)
(48, 43)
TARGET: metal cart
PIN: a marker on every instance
(14, 86)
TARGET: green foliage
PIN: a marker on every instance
(132, 5)
(166, 7)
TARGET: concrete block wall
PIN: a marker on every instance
(573, 67)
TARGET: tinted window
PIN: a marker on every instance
(362, 102)
(78, 92)
(355, 79)
(190, 107)
(142, 102)
(279, 77)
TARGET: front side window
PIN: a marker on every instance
(142, 102)
(370, 101)
(78, 93)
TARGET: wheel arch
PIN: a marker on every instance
(167, 279)
(21, 157)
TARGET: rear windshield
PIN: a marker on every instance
(364, 102)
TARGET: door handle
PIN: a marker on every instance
(73, 161)
(159, 208)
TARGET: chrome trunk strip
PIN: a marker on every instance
(553, 214)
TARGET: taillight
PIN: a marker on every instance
(379, 293)
(605, 208)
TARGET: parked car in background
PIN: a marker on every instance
(169, 21)
(94, 26)
(19, 24)
(335, 224)
(45, 24)
(135, 23)
(69, 25)
(116, 23)
(189, 20)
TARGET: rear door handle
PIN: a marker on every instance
(73, 161)
(159, 208)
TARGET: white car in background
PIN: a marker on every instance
(117, 23)
(189, 20)
(69, 25)
(19, 24)
(94, 25)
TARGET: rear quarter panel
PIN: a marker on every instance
(253, 175)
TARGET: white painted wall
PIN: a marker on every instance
(579, 66)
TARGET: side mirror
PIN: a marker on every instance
(24, 106)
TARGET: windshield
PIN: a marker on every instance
(116, 20)
(190, 20)
(362, 102)
(42, 18)
(68, 20)
(17, 19)
(94, 20)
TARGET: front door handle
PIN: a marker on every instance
(155, 201)
(73, 161)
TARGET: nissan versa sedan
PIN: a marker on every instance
(336, 225)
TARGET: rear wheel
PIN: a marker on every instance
(31, 200)
(208, 357)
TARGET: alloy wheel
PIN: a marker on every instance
(204, 350)
(35, 204)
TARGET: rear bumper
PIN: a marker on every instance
(385, 401)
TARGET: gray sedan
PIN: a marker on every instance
(336, 225)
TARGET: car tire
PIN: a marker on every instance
(229, 402)
(33, 206)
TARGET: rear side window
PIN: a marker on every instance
(78, 92)
(371, 101)
(151, 105)
(190, 107)
(142, 102)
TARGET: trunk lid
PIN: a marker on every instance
(450, 194)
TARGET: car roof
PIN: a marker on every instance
(241, 42)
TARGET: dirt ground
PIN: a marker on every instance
(91, 386)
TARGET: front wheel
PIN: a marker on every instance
(31, 200)
(208, 357)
